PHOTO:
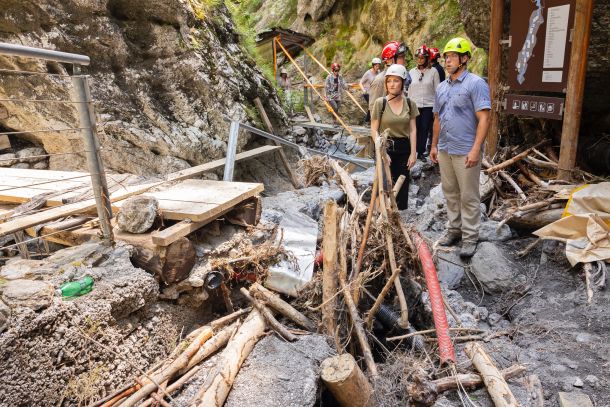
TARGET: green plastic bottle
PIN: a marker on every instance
(76, 288)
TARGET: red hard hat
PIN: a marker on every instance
(423, 50)
(434, 53)
(335, 65)
(393, 48)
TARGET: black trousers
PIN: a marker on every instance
(367, 118)
(424, 128)
(399, 151)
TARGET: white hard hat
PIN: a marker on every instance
(376, 61)
(283, 71)
(397, 70)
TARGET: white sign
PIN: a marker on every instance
(552, 76)
(556, 36)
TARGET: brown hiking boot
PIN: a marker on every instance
(468, 249)
(450, 239)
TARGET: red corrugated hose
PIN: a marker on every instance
(445, 346)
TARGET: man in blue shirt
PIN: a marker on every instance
(461, 119)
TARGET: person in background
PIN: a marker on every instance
(365, 84)
(286, 84)
(397, 114)
(393, 52)
(424, 81)
(434, 56)
(461, 120)
(334, 86)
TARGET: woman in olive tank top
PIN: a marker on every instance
(396, 113)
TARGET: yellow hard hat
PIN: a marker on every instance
(459, 45)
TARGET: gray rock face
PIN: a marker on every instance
(8, 160)
(28, 293)
(31, 155)
(17, 269)
(492, 269)
(138, 214)
(5, 314)
(163, 76)
(277, 375)
(450, 269)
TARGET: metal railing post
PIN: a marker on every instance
(231, 151)
(94, 161)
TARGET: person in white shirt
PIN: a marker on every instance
(286, 84)
(424, 81)
(365, 83)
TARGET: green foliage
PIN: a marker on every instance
(201, 8)
(243, 14)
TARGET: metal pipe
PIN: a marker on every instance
(231, 151)
(46, 54)
(94, 162)
(360, 162)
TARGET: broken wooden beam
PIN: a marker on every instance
(271, 321)
(348, 186)
(281, 306)
(513, 160)
(497, 387)
(215, 389)
(293, 179)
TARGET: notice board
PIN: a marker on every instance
(540, 44)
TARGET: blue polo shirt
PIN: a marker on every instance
(456, 103)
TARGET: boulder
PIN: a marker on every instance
(492, 268)
(5, 314)
(22, 166)
(41, 165)
(18, 269)
(8, 160)
(450, 269)
(31, 155)
(28, 293)
(138, 214)
(278, 373)
(489, 232)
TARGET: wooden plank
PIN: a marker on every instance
(45, 174)
(169, 235)
(310, 115)
(214, 165)
(79, 207)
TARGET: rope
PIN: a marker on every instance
(345, 126)
(328, 72)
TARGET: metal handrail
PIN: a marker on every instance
(46, 54)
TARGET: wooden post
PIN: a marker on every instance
(275, 58)
(494, 68)
(575, 88)
(329, 273)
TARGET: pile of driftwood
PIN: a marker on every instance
(526, 194)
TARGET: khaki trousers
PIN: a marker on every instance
(461, 189)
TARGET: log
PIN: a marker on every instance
(218, 341)
(531, 175)
(348, 186)
(513, 160)
(329, 270)
(539, 163)
(497, 387)
(535, 220)
(514, 184)
(348, 385)
(398, 185)
(268, 298)
(426, 392)
(179, 363)
(171, 263)
(216, 388)
(264, 311)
